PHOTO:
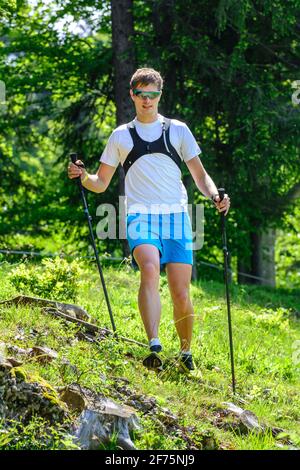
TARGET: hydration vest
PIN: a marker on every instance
(142, 147)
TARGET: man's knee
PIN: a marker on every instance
(147, 258)
(181, 298)
(149, 270)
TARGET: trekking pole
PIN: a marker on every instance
(221, 192)
(74, 158)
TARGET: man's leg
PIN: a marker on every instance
(179, 278)
(147, 258)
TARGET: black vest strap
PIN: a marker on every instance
(141, 147)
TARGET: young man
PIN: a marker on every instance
(151, 149)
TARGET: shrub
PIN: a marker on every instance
(55, 278)
(36, 435)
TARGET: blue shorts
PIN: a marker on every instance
(170, 233)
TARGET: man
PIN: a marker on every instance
(151, 149)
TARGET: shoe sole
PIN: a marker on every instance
(184, 369)
(153, 362)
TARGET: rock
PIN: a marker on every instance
(69, 309)
(236, 410)
(20, 399)
(14, 362)
(74, 399)
(33, 332)
(73, 311)
(248, 419)
(20, 337)
(85, 337)
(141, 402)
(17, 350)
(43, 354)
(123, 389)
(276, 431)
(97, 427)
(121, 379)
(167, 418)
(5, 364)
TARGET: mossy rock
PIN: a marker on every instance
(19, 373)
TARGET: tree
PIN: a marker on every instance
(228, 67)
(124, 67)
(230, 73)
(59, 88)
(7, 7)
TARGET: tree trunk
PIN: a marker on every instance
(163, 25)
(124, 67)
(263, 257)
(261, 262)
(242, 268)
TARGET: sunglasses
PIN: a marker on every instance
(146, 94)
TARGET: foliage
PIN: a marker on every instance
(54, 279)
(7, 7)
(256, 441)
(265, 334)
(233, 77)
(40, 126)
(270, 319)
(36, 435)
(288, 251)
(228, 75)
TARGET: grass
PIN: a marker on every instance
(265, 329)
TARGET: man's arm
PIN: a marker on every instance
(206, 185)
(97, 183)
(202, 179)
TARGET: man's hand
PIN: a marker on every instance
(75, 171)
(224, 205)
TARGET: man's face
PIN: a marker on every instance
(144, 105)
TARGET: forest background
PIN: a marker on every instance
(231, 71)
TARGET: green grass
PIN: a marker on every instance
(265, 328)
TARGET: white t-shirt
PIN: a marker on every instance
(153, 183)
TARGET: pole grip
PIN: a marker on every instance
(73, 157)
(221, 192)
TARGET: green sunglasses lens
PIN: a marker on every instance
(146, 94)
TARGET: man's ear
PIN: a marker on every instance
(131, 94)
